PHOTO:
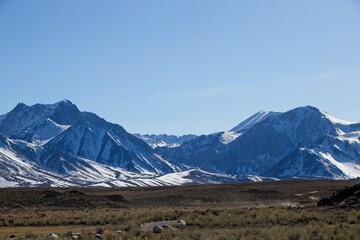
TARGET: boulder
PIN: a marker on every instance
(296, 205)
(181, 224)
(157, 229)
(52, 236)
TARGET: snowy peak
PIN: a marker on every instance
(269, 139)
(308, 111)
(251, 121)
(300, 126)
(322, 119)
(65, 102)
(20, 106)
(300, 114)
(65, 113)
(23, 120)
(22, 117)
(303, 126)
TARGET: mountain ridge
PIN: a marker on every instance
(264, 144)
(59, 145)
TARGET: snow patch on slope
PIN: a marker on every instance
(48, 130)
(228, 137)
(352, 137)
(177, 178)
(6, 183)
(349, 169)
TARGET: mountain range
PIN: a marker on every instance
(164, 140)
(59, 145)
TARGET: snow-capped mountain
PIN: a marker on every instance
(164, 140)
(59, 145)
(61, 140)
(303, 142)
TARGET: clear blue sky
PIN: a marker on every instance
(181, 66)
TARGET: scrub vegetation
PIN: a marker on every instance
(278, 211)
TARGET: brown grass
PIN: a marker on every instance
(230, 223)
(211, 212)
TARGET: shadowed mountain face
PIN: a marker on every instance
(303, 142)
(58, 145)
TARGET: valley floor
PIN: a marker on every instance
(263, 210)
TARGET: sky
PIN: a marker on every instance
(181, 66)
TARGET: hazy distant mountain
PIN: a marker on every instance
(164, 140)
(58, 145)
(303, 142)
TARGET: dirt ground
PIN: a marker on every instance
(224, 195)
